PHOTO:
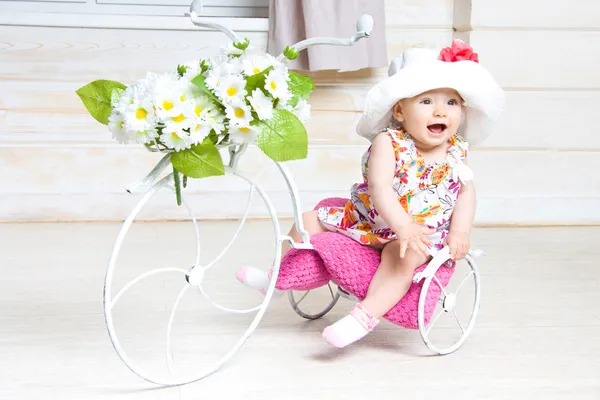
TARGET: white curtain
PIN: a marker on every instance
(291, 21)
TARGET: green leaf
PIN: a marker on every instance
(242, 44)
(177, 183)
(283, 137)
(300, 86)
(290, 53)
(199, 161)
(97, 95)
(214, 138)
(200, 83)
(204, 66)
(181, 70)
(257, 80)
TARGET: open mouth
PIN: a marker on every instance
(437, 128)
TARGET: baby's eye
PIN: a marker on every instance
(425, 101)
(452, 102)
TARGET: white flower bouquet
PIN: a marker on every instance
(242, 95)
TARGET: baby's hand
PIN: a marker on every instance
(415, 237)
(459, 244)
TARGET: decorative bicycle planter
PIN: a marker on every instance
(239, 104)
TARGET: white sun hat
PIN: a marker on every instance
(419, 70)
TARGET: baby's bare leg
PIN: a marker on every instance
(311, 224)
(390, 283)
(392, 278)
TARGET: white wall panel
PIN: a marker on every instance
(57, 163)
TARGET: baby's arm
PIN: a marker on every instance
(464, 211)
(461, 222)
(382, 165)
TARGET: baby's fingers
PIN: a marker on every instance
(453, 251)
(427, 230)
(423, 249)
(426, 241)
(403, 246)
(416, 246)
(464, 250)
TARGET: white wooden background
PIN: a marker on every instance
(57, 163)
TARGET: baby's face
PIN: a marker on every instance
(431, 118)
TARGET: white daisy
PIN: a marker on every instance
(192, 69)
(202, 105)
(145, 136)
(254, 63)
(162, 82)
(239, 114)
(187, 90)
(233, 89)
(261, 104)
(232, 67)
(276, 85)
(213, 79)
(168, 103)
(199, 131)
(302, 110)
(277, 65)
(116, 126)
(144, 88)
(122, 101)
(139, 116)
(215, 120)
(185, 118)
(175, 139)
(242, 134)
(216, 61)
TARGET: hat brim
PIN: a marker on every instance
(483, 97)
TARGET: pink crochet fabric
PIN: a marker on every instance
(352, 266)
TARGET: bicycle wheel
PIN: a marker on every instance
(135, 350)
(316, 305)
(447, 330)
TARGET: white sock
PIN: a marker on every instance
(351, 328)
(253, 277)
(256, 279)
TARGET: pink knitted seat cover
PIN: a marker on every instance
(351, 265)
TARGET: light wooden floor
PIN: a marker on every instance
(537, 336)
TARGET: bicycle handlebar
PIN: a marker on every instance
(194, 17)
(364, 26)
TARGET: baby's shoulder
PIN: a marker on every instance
(397, 138)
(391, 140)
(459, 144)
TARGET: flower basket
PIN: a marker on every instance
(240, 96)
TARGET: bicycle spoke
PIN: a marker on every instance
(434, 321)
(440, 285)
(463, 281)
(242, 222)
(331, 291)
(220, 307)
(457, 320)
(302, 298)
(237, 232)
(170, 326)
(139, 278)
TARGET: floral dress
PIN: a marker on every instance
(427, 192)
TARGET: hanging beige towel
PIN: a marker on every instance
(291, 21)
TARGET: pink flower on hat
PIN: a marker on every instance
(460, 51)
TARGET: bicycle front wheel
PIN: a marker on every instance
(180, 322)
